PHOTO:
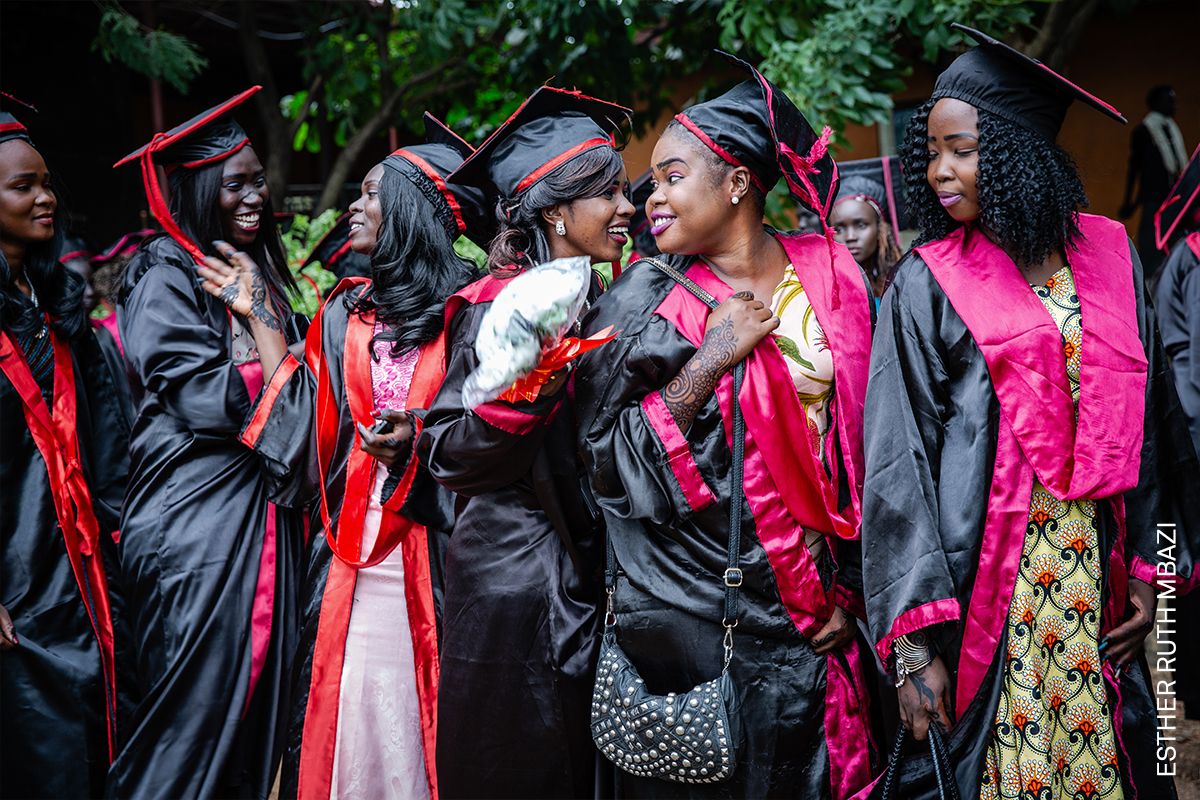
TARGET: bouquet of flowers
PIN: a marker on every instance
(522, 340)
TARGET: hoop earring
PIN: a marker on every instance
(560, 228)
(735, 199)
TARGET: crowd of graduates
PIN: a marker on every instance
(827, 514)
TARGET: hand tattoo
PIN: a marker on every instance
(229, 294)
(258, 303)
(687, 393)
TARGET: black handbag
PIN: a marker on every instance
(943, 771)
(687, 737)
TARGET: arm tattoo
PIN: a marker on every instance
(925, 692)
(258, 303)
(687, 393)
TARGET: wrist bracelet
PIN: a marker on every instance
(912, 654)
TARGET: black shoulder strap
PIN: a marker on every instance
(733, 572)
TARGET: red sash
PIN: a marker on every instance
(58, 441)
(319, 738)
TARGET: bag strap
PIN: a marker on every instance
(733, 573)
(943, 772)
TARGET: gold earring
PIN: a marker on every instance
(560, 228)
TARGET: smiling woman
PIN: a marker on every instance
(57, 409)
(210, 545)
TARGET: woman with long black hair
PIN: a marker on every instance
(1023, 448)
(208, 558)
(522, 589)
(65, 443)
(361, 721)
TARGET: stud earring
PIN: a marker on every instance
(560, 228)
(735, 199)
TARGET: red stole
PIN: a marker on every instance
(1193, 242)
(57, 439)
(320, 721)
(1096, 456)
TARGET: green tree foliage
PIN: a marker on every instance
(157, 54)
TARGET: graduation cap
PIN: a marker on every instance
(125, 246)
(878, 182)
(640, 190)
(1183, 197)
(1006, 82)
(464, 210)
(549, 129)
(74, 247)
(10, 126)
(204, 139)
(756, 125)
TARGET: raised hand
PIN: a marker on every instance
(237, 282)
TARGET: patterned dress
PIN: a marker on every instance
(805, 351)
(1053, 735)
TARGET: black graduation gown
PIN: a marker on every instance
(196, 516)
(52, 693)
(286, 441)
(670, 537)
(522, 589)
(1178, 308)
(931, 447)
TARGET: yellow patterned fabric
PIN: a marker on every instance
(805, 351)
(1052, 737)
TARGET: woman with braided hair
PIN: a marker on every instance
(1020, 450)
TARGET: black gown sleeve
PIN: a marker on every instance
(177, 353)
(905, 566)
(1163, 511)
(475, 452)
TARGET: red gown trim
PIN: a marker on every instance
(57, 440)
(679, 454)
(321, 714)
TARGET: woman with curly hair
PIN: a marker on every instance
(66, 454)
(1020, 450)
(520, 623)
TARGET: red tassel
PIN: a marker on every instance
(158, 203)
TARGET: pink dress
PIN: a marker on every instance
(379, 751)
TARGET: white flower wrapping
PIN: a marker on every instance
(530, 315)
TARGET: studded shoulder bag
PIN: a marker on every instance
(686, 737)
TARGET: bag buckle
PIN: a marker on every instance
(733, 577)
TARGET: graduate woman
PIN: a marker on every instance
(1020, 454)
(363, 709)
(658, 432)
(519, 629)
(208, 560)
(65, 441)
(866, 218)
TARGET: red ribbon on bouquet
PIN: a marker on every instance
(568, 349)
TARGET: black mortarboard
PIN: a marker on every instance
(1184, 196)
(334, 254)
(639, 225)
(74, 247)
(206, 138)
(10, 126)
(549, 129)
(877, 181)
(756, 125)
(463, 210)
(1006, 82)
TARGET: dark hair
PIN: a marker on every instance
(717, 167)
(195, 205)
(1157, 93)
(521, 239)
(1029, 188)
(59, 290)
(414, 268)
